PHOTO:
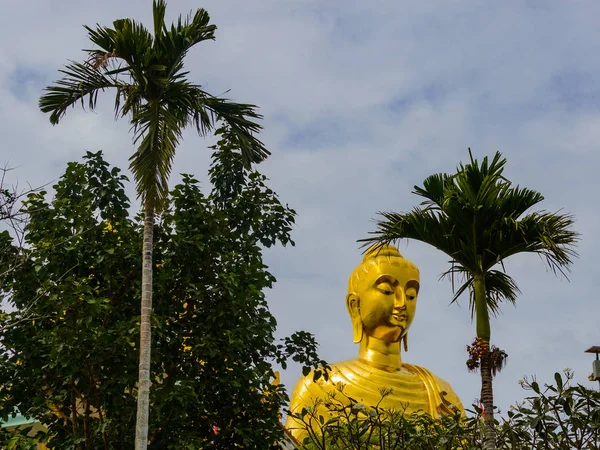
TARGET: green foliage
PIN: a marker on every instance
(302, 348)
(17, 438)
(74, 321)
(70, 348)
(555, 417)
(351, 425)
(8, 259)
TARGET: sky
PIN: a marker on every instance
(361, 102)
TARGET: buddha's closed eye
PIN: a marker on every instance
(386, 288)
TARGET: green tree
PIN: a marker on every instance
(68, 330)
(478, 218)
(67, 355)
(146, 71)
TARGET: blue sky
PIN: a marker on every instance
(363, 100)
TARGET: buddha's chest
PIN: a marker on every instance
(400, 390)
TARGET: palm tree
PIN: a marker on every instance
(478, 218)
(152, 89)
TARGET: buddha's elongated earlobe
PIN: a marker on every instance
(405, 341)
(353, 305)
(357, 329)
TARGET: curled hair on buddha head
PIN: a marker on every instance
(373, 256)
(376, 251)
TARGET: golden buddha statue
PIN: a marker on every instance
(381, 301)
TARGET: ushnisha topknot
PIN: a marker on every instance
(374, 255)
(382, 250)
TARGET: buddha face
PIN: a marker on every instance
(386, 300)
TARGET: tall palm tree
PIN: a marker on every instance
(478, 218)
(147, 74)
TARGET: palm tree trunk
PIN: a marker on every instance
(487, 398)
(484, 332)
(481, 308)
(143, 406)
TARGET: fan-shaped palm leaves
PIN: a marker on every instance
(478, 218)
(152, 90)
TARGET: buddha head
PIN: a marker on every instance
(382, 295)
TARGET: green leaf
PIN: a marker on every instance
(559, 381)
(12, 443)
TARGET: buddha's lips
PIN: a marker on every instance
(398, 316)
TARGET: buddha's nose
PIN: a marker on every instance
(400, 299)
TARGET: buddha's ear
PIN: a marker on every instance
(353, 305)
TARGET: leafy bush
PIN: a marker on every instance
(556, 417)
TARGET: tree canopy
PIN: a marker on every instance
(69, 347)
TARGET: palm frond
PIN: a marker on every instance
(159, 8)
(209, 109)
(203, 111)
(132, 96)
(103, 37)
(457, 270)
(181, 37)
(478, 184)
(500, 287)
(434, 190)
(158, 132)
(133, 42)
(419, 224)
(516, 201)
(81, 80)
(129, 41)
(550, 235)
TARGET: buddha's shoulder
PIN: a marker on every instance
(324, 377)
(327, 381)
(443, 387)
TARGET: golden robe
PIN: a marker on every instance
(414, 387)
